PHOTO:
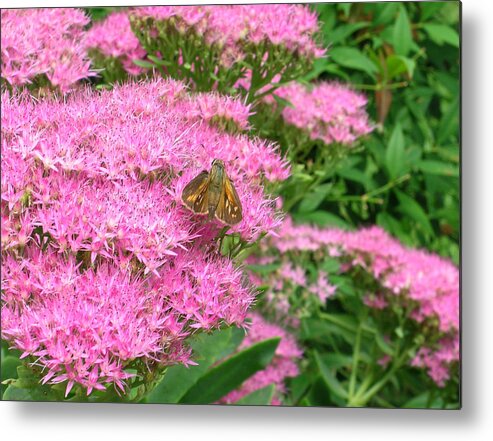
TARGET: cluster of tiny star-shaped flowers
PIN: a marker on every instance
(102, 264)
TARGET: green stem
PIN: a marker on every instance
(354, 368)
(366, 396)
(388, 186)
(381, 86)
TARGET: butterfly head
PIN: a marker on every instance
(218, 162)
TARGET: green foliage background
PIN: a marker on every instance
(405, 57)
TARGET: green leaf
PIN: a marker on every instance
(354, 59)
(422, 401)
(207, 350)
(143, 63)
(264, 269)
(402, 37)
(442, 34)
(229, 375)
(312, 200)
(329, 378)
(342, 32)
(398, 65)
(386, 13)
(321, 218)
(336, 361)
(260, 397)
(383, 345)
(356, 175)
(394, 155)
(9, 367)
(409, 206)
(320, 330)
(449, 124)
(28, 388)
(298, 386)
(9, 370)
(438, 168)
(154, 59)
(430, 9)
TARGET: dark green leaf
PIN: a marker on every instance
(313, 199)
(408, 206)
(229, 375)
(394, 156)
(264, 269)
(442, 34)
(449, 125)
(336, 361)
(386, 13)
(438, 168)
(260, 397)
(330, 379)
(422, 401)
(342, 32)
(402, 37)
(207, 350)
(430, 9)
(398, 65)
(354, 59)
(321, 218)
(298, 386)
(143, 63)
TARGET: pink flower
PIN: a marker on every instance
(283, 364)
(295, 275)
(103, 266)
(424, 283)
(114, 38)
(323, 289)
(376, 301)
(330, 112)
(234, 27)
(44, 41)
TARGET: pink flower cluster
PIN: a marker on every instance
(330, 112)
(235, 26)
(44, 41)
(437, 362)
(425, 281)
(113, 37)
(101, 262)
(283, 364)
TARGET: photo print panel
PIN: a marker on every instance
(232, 205)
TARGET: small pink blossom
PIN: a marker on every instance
(322, 289)
(114, 38)
(283, 364)
(330, 112)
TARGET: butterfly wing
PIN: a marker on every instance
(229, 208)
(195, 193)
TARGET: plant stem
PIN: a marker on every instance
(354, 369)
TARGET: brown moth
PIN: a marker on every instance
(214, 194)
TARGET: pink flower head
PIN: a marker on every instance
(234, 27)
(330, 112)
(425, 283)
(114, 38)
(323, 289)
(283, 364)
(44, 41)
(102, 264)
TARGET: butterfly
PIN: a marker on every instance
(214, 194)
